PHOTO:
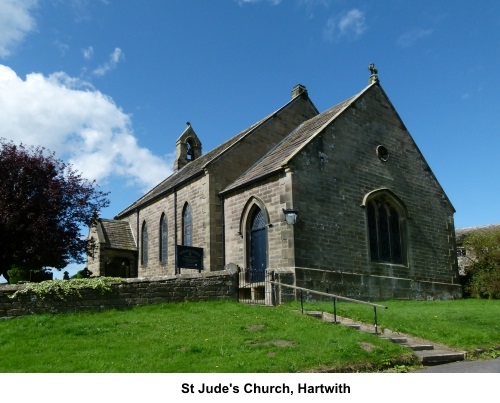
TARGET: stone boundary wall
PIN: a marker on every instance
(131, 292)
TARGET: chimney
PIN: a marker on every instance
(298, 90)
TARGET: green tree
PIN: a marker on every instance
(483, 253)
(44, 203)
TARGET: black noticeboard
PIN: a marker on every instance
(189, 257)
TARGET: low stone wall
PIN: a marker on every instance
(283, 276)
(375, 288)
(131, 292)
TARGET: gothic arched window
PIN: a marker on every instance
(187, 225)
(385, 230)
(144, 244)
(163, 238)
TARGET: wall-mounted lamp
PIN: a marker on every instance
(290, 215)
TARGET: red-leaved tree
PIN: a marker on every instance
(43, 204)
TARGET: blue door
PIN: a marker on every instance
(258, 247)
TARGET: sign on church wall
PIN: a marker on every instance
(189, 257)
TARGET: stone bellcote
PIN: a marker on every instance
(187, 148)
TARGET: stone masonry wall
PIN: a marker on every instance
(131, 292)
(223, 171)
(366, 287)
(327, 182)
(238, 210)
(98, 261)
(334, 173)
(195, 194)
(202, 193)
(94, 259)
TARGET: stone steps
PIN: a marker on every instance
(428, 353)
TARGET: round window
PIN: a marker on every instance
(382, 153)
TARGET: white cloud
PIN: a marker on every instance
(353, 21)
(351, 24)
(311, 6)
(88, 53)
(82, 125)
(15, 23)
(309, 3)
(243, 2)
(409, 38)
(114, 59)
(63, 47)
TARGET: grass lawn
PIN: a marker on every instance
(469, 324)
(190, 337)
(232, 337)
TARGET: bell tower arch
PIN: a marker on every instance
(187, 148)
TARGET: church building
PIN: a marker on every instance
(342, 200)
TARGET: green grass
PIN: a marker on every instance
(232, 337)
(469, 324)
(190, 337)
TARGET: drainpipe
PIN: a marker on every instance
(223, 232)
(137, 239)
(175, 229)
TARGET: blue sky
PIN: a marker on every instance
(110, 84)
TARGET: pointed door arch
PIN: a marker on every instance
(257, 256)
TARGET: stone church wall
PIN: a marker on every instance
(95, 260)
(104, 263)
(334, 173)
(244, 154)
(327, 182)
(367, 287)
(195, 194)
(101, 260)
(268, 195)
(132, 292)
(202, 193)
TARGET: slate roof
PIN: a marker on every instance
(278, 157)
(116, 234)
(196, 167)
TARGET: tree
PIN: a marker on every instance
(483, 270)
(43, 204)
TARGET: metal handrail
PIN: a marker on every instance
(335, 297)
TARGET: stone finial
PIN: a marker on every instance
(373, 76)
